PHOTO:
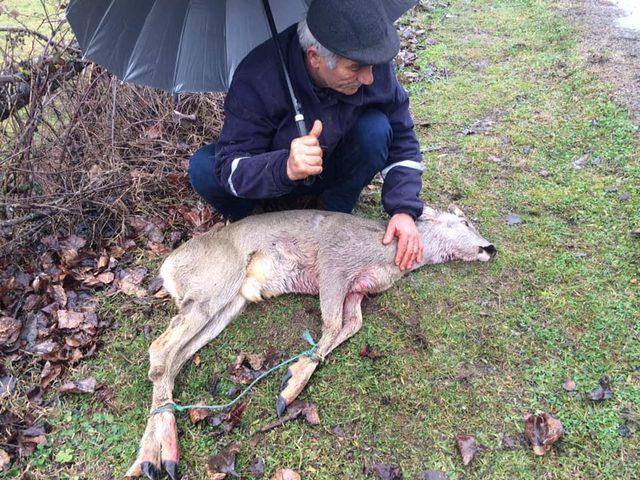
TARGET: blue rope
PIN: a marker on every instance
(311, 353)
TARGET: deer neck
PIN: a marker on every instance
(436, 250)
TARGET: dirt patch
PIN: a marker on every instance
(610, 51)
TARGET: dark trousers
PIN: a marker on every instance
(361, 154)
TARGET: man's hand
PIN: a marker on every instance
(305, 154)
(410, 246)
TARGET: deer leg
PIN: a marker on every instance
(297, 375)
(188, 332)
(352, 319)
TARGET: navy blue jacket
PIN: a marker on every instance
(252, 152)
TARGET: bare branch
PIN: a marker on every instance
(24, 30)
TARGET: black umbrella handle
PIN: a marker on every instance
(299, 118)
(302, 130)
(302, 126)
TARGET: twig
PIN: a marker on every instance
(25, 218)
(24, 30)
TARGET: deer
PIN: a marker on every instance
(337, 256)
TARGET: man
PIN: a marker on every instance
(340, 62)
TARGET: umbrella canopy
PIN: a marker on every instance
(176, 45)
(183, 45)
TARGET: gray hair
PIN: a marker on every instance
(307, 40)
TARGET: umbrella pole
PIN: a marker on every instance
(302, 127)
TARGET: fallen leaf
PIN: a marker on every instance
(80, 339)
(73, 242)
(625, 197)
(7, 385)
(9, 330)
(255, 361)
(197, 216)
(198, 414)
(569, 385)
(103, 262)
(41, 283)
(79, 386)
(105, 394)
(131, 289)
(223, 464)
(58, 295)
(5, 460)
(34, 395)
(385, 471)
(432, 475)
(241, 373)
(366, 351)
(603, 392)
(69, 320)
(542, 431)
(467, 446)
(233, 417)
(45, 347)
(579, 163)
(134, 276)
(49, 373)
(513, 219)
(512, 442)
(155, 285)
(153, 132)
(256, 467)
(297, 409)
(310, 412)
(104, 278)
(286, 474)
(212, 385)
(196, 359)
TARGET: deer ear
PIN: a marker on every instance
(428, 213)
(456, 211)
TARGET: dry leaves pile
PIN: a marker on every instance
(412, 33)
(48, 317)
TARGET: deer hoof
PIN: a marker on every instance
(281, 405)
(171, 468)
(150, 470)
(294, 381)
(158, 449)
(285, 379)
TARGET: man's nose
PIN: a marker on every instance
(365, 76)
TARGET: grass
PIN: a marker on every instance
(559, 301)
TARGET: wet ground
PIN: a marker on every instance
(631, 12)
(611, 43)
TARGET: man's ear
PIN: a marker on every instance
(313, 56)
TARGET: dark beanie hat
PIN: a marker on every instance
(360, 30)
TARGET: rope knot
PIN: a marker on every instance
(167, 407)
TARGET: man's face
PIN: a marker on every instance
(347, 77)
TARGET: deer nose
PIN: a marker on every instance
(490, 249)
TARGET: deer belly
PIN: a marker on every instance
(268, 277)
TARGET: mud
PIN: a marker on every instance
(611, 51)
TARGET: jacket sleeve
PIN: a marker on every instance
(402, 174)
(245, 166)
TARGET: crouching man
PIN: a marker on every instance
(340, 62)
